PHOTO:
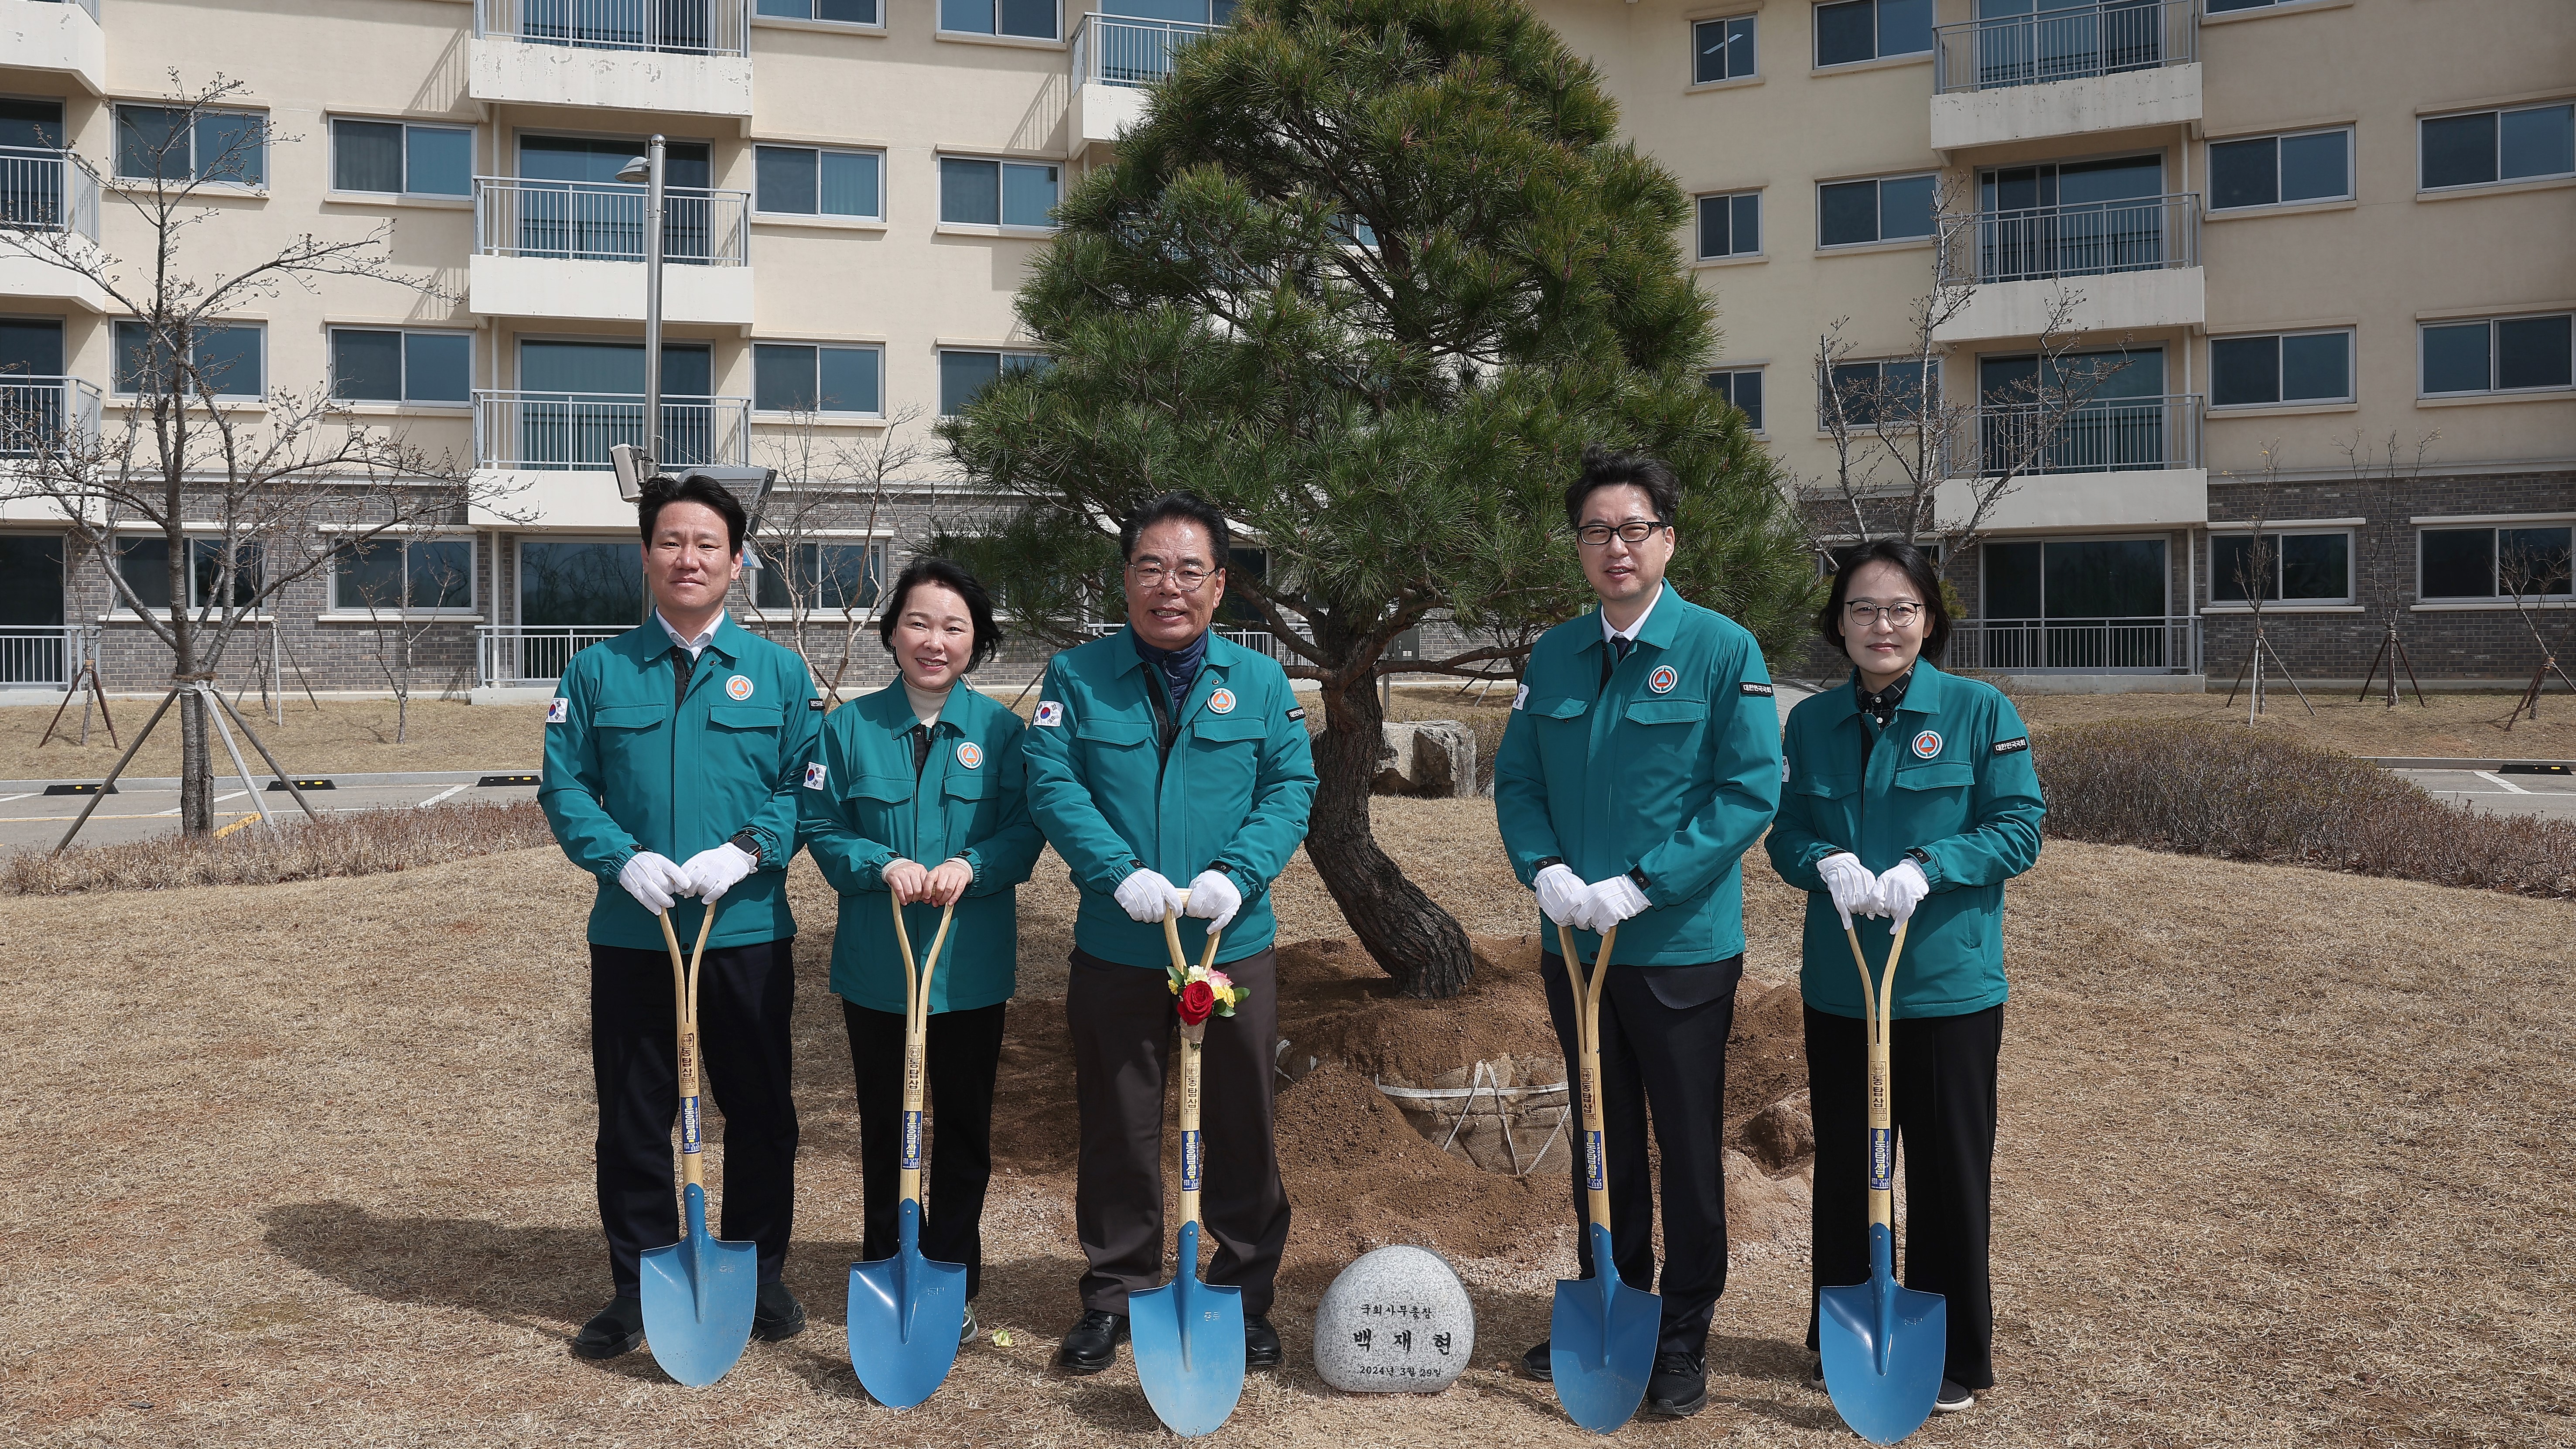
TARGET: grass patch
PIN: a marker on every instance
(358, 842)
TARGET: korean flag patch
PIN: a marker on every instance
(1520, 696)
(1050, 714)
(558, 710)
(814, 775)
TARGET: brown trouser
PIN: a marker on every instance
(1123, 1027)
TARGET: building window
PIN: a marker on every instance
(144, 563)
(1858, 30)
(2290, 568)
(1035, 19)
(402, 367)
(1741, 386)
(997, 193)
(809, 181)
(840, 12)
(398, 574)
(227, 361)
(1721, 49)
(789, 377)
(396, 158)
(2220, 7)
(1730, 226)
(2483, 147)
(2493, 563)
(1886, 208)
(2289, 367)
(964, 374)
(2280, 170)
(160, 143)
(2502, 354)
(1870, 393)
(839, 577)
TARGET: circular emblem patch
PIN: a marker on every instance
(1926, 745)
(1221, 702)
(739, 686)
(970, 754)
(1663, 679)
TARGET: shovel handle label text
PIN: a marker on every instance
(689, 1124)
(1882, 1159)
(1190, 1161)
(912, 1141)
(1592, 1178)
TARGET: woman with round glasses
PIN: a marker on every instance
(1910, 796)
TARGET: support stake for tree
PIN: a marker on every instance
(122, 761)
(2530, 701)
(88, 676)
(283, 778)
(216, 713)
(2392, 649)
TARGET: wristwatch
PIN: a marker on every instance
(746, 842)
(1638, 874)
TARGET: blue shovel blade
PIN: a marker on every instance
(699, 1295)
(1601, 1342)
(1884, 1348)
(905, 1314)
(1188, 1340)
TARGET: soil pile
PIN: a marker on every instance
(1337, 1006)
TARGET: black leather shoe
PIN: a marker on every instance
(1678, 1388)
(1092, 1343)
(616, 1329)
(1535, 1362)
(776, 1314)
(1260, 1343)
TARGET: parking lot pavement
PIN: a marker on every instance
(2510, 793)
(33, 819)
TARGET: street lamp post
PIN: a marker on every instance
(648, 169)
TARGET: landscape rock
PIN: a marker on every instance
(1431, 758)
(1762, 1209)
(1395, 1321)
(1781, 1135)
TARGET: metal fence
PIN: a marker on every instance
(603, 221)
(687, 27)
(575, 430)
(43, 414)
(2075, 239)
(89, 5)
(44, 654)
(2108, 435)
(1117, 50)
(41, 190)
(2143, 645)
(1256, 640)
(521, 654)
(2105, 38)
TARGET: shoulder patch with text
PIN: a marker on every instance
(1050, 715)
(814, 775)
(1749, 687)
(2006, 747)
(1298, 713)
(558, 709)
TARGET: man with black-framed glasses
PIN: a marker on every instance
(1640, 762)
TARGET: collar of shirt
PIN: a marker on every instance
(694, 646)
(1882, 704)
(1634, 625)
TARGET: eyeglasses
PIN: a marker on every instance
(1185, 578)
(1900, 615)
(1597, 535)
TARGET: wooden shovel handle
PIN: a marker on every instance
(684, 995)
(1193, 1042)
(1877, 1014)
(916, 1040)
(1587, 1035)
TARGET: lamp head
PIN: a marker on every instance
(636, 171)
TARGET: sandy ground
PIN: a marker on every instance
(310, 1164)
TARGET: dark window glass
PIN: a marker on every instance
(2235, 563)
(2315, 566)
(971, 17)
(846, 12)
(852, 380)
(599, 585)
(1028, 195)
(438, 161)
(2244, 370)
(1904, 207)
(438, 367)
(1721, 50)
(151, 142)
(367, 575)
(782, 378)
(2316, 367)
(1872, 392)
(826, 576)
(2316, 167)
(962, 375)
(206, 557)
(853, 183)
(2243, 173)
(442, 573)
(1744, 389)
(1847, 212)
(1846, 32)
(366, 156)
(784, 176)
(2455, 358)
(2459, 563)
(970, 192)
(2532, 352)
(31, 597)
(1730, 226)
(2460, 150)
(2538, 142)
(227, 361)
(1029, 17)
(2531, 561)
(366, 366)
(231, 146)
(145, 565)
(1904, 27)
(2012, 580)
(1746, 231)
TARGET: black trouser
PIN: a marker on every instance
(1941, 1088)
(745, 994)
(1123, 1028)
(1668, 1062)
(964, 1051)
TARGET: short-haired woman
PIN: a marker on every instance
(1910, 796)
(920, 791)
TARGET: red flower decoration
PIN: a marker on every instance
(1198, 999)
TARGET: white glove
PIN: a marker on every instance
(653, 880)
(1854, 889)
(1213, 896)
(1147, 897)
(1901, 890)
(1608, 902)
(1560, 893)
(713, 872)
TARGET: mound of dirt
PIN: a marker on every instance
(1360, 1177)
(1337, 1006)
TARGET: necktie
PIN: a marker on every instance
(920, 749)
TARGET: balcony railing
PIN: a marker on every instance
(41, 190)
(43, 654)
(574, 430)
(1256, 640)
(90, 6)
(601, 221)
(2107, 435)
(1117, 50)
(2101, 39)
(46, 414)
(2143, 645)
(527, 654)
(2076, 239)
(685, 27)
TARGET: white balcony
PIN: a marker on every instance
(46, 198)
(681, 57)
(44, 416)
(576, 249)
(2115, 65)
(2115, 462)
(544, 456)
(61, 37)
(1115, 58)
(2127, 266)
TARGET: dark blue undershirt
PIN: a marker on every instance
(1179, 668)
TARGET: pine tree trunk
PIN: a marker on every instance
(1412, 938)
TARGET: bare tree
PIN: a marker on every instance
(396, 622)
(2385, 462)
(2531, 565)
(821, 533)
(2257, 576)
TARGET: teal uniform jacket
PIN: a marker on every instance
(863, 808)
(1672, 769)
(628, 769)
(1952, 776)
(1232, 793)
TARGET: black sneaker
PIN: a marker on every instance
(1092, 1343)
(1815, 1375)
(776, 1314)
(1260, 1343)
(616, 1329)
(1954, 1399)
(1678, 1388)
(1535, 1362)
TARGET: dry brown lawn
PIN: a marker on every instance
(344, 736)
(2445, 726)
(309, 1164)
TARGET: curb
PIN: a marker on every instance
(2509, 767)
(344, 782)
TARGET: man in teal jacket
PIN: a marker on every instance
(1640, 761)
(1156, 755)
(673, 753)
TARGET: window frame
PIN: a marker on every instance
(2351, 393)
(2351, 552)
(335, 610)
(1877, 47)
(1755, 415)
(1878, 196)
(2209, 165)
(940, 352)
(473, 156)
(818, 216)
(939, 26)
(1751, 20)
(2425, 326)
(879, 548)
(820, 413)
(330, 352)
(1001, 193)
(118, 610)
(2425, 188)
(116, 368)
(1699, 226)
(116, 147)
(2494, 530)
(1930, 383)
(877, 25)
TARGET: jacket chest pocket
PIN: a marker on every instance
(1934, 796)
(1824, 785)
(1225, 753)
(878, 805)
(628, 735)
(969, 798)
(746, 719)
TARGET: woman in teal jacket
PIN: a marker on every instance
(1909, 796)
(919, 790)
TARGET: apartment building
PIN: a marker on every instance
(2295, 224)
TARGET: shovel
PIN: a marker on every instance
(699, 1292)
(905, 1311)
(1883, 1346)
(1601, 1337)
(1187, 1335)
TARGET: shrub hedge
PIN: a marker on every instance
(357, 842)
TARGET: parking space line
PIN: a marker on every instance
(2492, 778)
(441, 795)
